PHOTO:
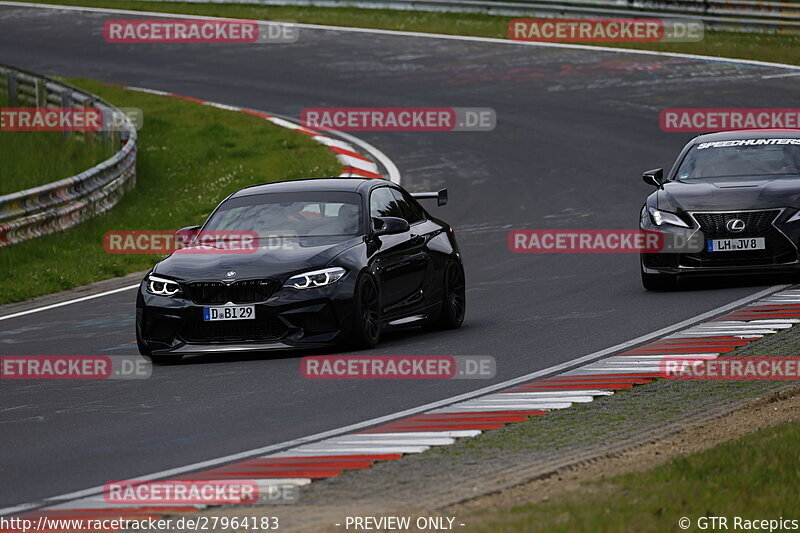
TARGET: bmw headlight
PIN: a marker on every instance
(317, 278)
(162, 287)
(660, 218)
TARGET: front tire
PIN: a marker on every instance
(366, 330)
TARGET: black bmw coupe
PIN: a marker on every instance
(328, 261)
(739, 191)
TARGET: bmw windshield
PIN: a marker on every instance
(317, 214)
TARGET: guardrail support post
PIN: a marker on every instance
(41, 93)
(106, 134)
(66, 101)
(11, 83)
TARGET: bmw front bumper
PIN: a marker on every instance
(289, 318)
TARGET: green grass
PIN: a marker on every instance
(190, 157)
(66, 156)
(30, 167)
(763, 47)
(755, 476)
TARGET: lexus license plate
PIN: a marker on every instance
(735, 245)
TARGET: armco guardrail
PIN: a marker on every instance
(67, 202)
(729, 15)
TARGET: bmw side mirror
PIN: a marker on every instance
(654, 177)
(390, 225)
(186, 235)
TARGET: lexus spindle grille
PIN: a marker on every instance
(778, 249)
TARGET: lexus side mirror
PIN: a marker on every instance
(390, 225)
(654, 177)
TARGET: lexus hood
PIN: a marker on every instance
(729, 194)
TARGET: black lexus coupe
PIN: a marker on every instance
(740, 192)
(336, 261)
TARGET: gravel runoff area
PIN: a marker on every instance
(453, 478)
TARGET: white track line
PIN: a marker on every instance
(742, 325)
(518, 406)
(351, 161)
(590, 370)
(326, 449)
(699, 336)
(656, 357)
(301, 454)
(522, 397)
(557, 394)
(410, 440)
(728, 333)
(454, 434)
(69, 302)
(367, 438)
(226, 107)
(150, 91)
(783, 322)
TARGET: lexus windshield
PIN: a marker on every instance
(742, 158)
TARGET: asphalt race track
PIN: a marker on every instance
(575, 128)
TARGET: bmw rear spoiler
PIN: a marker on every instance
(440, 196)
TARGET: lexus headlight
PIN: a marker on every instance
(795, 217)
(162, 287)
(660, 218)
(317, 278)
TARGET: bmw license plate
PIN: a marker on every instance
(735, 245)
(229, 312)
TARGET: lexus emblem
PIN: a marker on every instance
(735, 225)
(232, 273)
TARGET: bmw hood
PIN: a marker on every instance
(267, 260)
(731, 194)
